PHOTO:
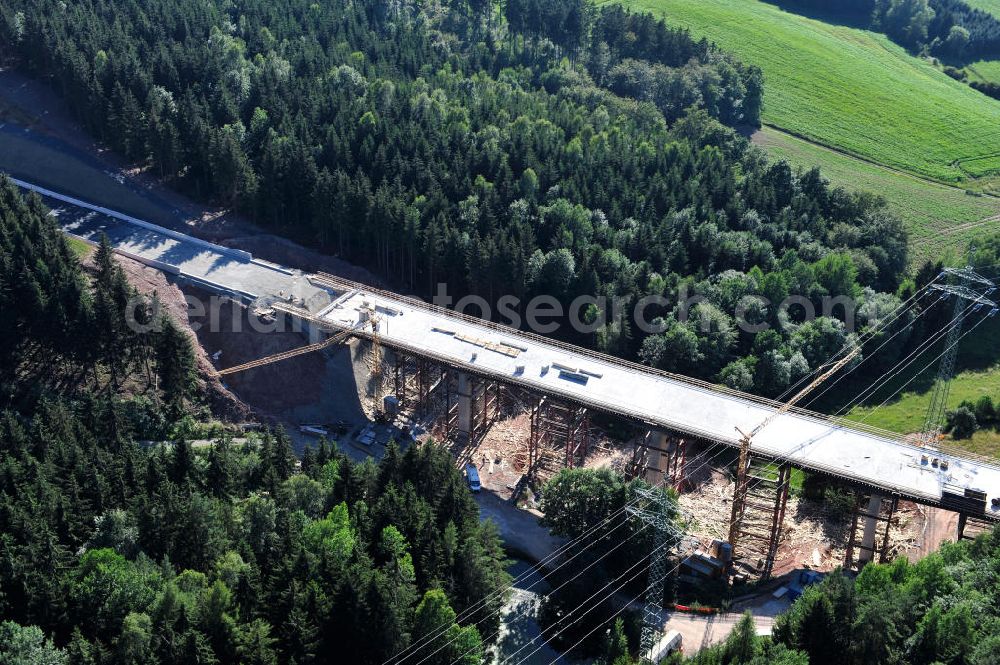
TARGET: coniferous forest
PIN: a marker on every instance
(113, 550)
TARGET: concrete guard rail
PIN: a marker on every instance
(152, 263)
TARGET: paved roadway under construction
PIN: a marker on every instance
(876, 459)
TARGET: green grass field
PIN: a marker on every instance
(979, 375)
(984, 70)
(991, 6)
(933, 212)
(79, 247)
(848, 88)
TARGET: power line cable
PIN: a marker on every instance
(465, 614)
(900, 310)
(914, 377)
(676, 567)
(582, 639)
(812, 398)
(578, 574)
(573, 611)
(894, 371)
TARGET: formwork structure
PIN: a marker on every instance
(560, 436)
(760, 497)
(660, 459)
(462, 406)
(871, 523)
(446, 424)
(485, 407)
(414, 378)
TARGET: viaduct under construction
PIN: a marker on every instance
(462, 369)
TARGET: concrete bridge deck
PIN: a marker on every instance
(809, 441)
(805, 440)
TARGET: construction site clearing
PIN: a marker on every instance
(815, 538)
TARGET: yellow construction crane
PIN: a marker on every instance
(747, 438)
(284, 355)
(799, 395)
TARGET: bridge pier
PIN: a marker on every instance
(867, 549)
(871, 512)
(405, 373)
(476, 406)
(446, 425)
(972, 526)
(464, 402)
(660, 458)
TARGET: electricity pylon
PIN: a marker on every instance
(658, 510)
(971, 288)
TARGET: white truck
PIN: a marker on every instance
(667, 645)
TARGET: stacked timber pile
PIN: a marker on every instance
(709, 505)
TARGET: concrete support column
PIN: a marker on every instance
(464, 405)
(657, 457)
(867, 550)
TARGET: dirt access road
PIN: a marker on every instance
(698, 631)
(519, 529)
(41, 142)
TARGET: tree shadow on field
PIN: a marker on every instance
(820, 10)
